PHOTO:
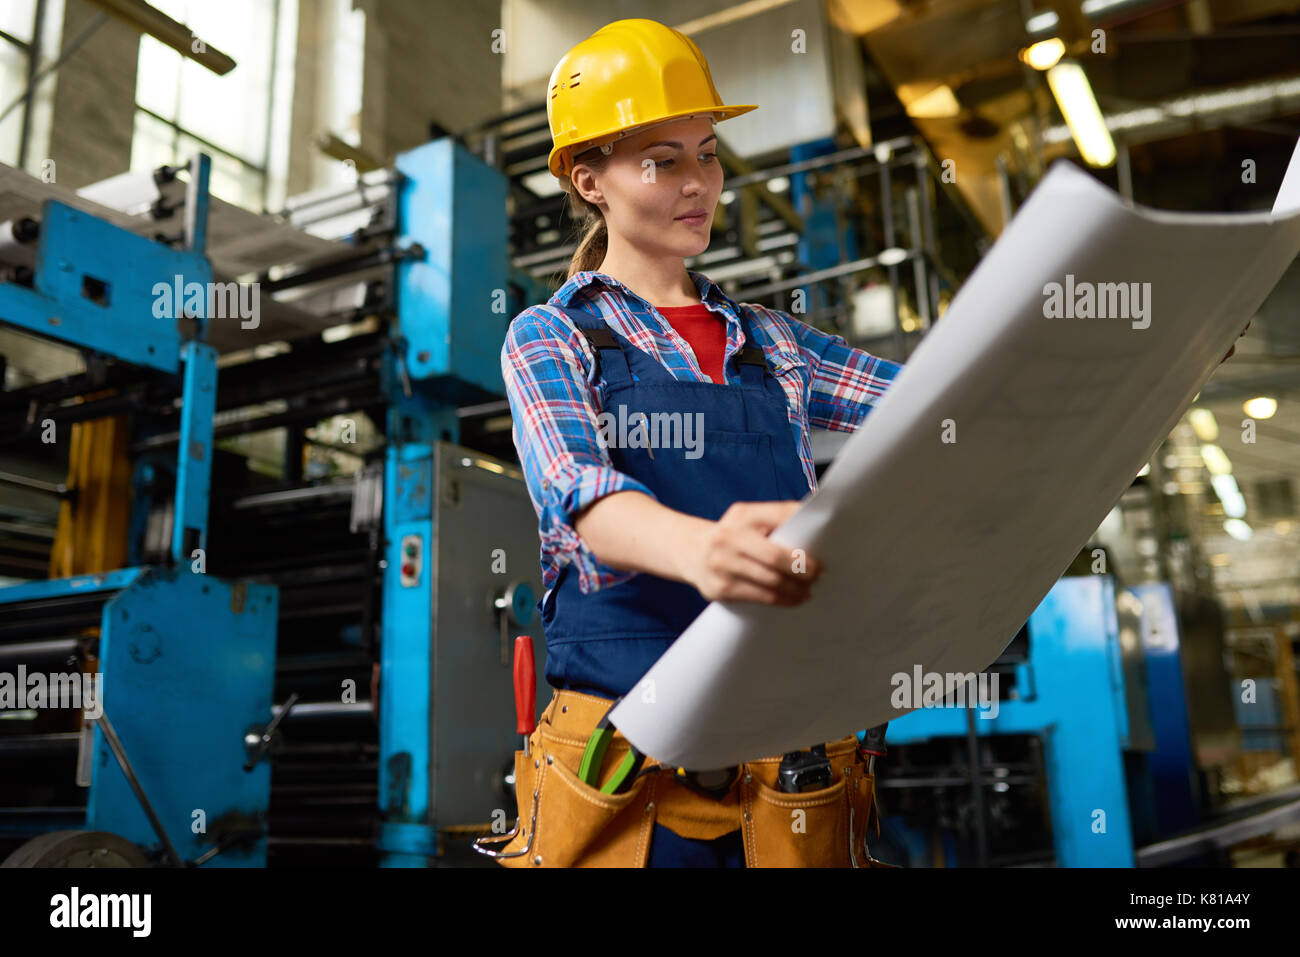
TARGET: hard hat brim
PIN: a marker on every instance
(556, 161)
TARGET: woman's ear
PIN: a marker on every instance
(584, 184)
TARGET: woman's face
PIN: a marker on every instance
(653, 180)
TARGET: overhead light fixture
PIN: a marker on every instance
(1202, 110)
(1091, 8)
(891, 256)
(543, 184)
(1234, 504)
(1204, 424)
(1074, 97)
(937, 103)
(1216, 460)
(1237, 529)
(1260, 407)
(1044, 54)
(858, 18)
(1042, 22)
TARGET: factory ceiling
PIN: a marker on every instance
(1153, 58)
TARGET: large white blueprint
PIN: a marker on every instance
(936, 553)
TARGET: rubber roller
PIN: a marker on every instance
(18, 241)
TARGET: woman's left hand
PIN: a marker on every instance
(1234, 346)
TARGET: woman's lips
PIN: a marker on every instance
(699, 220)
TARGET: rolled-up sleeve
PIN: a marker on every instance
(845, 382)
(553, 404)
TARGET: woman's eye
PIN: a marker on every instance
(705, 158)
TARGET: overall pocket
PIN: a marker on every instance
(809, 829)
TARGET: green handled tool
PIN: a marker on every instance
(593, 758)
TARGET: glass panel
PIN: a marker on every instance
(13, 81)
(17, 18)
(277, 161)
(346, 71)
(156, 76)
(152, 144)
(231, 110)
(230, 179)
(228, 111)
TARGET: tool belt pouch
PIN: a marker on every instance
(822, 828)
(566, 823)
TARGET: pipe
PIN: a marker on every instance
(28, 651)
(340, 490)
(327, 709)
(106, 729)
(57, 489)
(42, 744)
(140, 16)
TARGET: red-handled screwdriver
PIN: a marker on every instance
(525, 689)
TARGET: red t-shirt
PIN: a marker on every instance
(704, 331)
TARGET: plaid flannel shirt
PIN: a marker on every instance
(547, 365)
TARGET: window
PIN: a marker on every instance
(17, 33)
(183, 108)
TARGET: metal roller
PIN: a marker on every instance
(18, 242)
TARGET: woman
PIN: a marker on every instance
(641, 529)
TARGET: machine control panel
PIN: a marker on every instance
(412, 559)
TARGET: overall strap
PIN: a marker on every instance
(751, 363)
(603, 342)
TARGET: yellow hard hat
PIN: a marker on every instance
(628, 75)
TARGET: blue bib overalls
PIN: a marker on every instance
(602, 643)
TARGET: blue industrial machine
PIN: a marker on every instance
(447, 717)
(1171, 765)
(448, 331)
(186, 658)
(1074, 693)
(1101, 686)
(424, 559)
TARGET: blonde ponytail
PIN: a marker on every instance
(594, 235)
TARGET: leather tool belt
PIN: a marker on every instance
(563, 822)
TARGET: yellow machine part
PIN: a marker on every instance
(91, 534)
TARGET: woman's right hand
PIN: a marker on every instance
(732, 559)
